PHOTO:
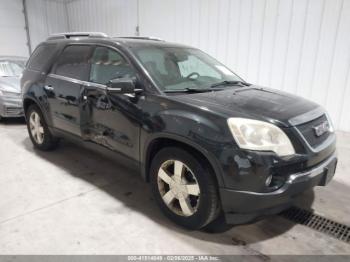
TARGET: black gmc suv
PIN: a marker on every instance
(215, 149)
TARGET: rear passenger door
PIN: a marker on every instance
(64, 87)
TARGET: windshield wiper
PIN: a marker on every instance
(192, 90)
(230, 83)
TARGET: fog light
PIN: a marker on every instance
(268, 180)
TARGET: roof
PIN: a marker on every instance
(129, 41)
(138, 42)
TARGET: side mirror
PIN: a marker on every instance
(122, 86)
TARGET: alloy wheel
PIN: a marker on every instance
(178, 188)
(36, 127)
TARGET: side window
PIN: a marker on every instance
(74, 62)
(41, 55)
(107, 64)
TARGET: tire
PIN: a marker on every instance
(43, 140)
(191, 210)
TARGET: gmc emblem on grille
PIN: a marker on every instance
(321, 128)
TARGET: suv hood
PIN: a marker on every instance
(10, 84)
(253, 102)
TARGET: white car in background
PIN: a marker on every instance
(11, 68)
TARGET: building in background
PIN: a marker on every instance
(302, 47)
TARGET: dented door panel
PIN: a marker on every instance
(111, 121)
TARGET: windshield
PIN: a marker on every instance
(176, 68)
(11, 68)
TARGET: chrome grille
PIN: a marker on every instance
(14, 111)
(308, 132)
(11, 94)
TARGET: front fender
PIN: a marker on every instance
(206, 134)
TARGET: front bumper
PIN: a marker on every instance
(11, 107)
(244, 206)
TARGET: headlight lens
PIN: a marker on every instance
(330, 123)
(258, 135)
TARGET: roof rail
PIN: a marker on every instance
(142, 38)
(77, 34)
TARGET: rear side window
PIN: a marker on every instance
(41, 56)
(74, 62)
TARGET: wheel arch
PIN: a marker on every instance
(28, 101)
(167, 140)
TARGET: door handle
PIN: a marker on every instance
(49, 87)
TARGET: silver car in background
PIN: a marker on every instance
(11, 68)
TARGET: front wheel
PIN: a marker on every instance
(38, 130)
(184, 188)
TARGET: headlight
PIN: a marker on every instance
(261, 136)
(330, 123)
